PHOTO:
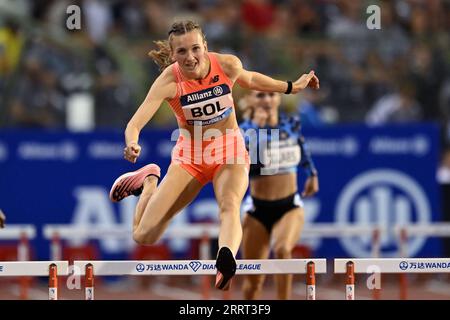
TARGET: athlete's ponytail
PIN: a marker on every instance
(162, 56)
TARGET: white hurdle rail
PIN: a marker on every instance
(52, 269)
(198, 230)
(56, 233)
(351, 266)
(90, 269)
(441, 229)
(16, 231)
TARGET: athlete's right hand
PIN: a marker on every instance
(132, 152)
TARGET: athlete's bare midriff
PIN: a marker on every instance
(273, 187)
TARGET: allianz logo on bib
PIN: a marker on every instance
(217, 91)
(205, 94)
(198, 96)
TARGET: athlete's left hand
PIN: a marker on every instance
(311, 187)
(306, 80)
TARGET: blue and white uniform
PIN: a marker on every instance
(275, 151)
(282, 150)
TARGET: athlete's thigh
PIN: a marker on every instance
(255, 244)
(176, 190)
(231, 182)
(255, 239)
(286, 232)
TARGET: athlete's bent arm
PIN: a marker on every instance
(311, 186)
(163, 88)
(257, 81)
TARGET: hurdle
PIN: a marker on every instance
(51, 269)
(403, 232)
(203, 231)
(387, 265)
(441, 229)
(24, 233)
(90, 269)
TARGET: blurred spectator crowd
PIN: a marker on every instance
(399, 73)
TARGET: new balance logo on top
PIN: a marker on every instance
(214, 79)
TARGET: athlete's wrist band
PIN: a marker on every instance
(289, 88)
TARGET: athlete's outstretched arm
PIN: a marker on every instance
(257, 81)
(163, 88)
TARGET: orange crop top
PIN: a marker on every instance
(203, 102)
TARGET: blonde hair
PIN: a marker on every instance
(161, 56)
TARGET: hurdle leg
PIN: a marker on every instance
(403, 277)
(403, 286)
(23, 254)
(204, 255)
(24, 284)
(227, 294)
(53, 282)
(310, 281)
(89, 282)
(376, 249)
(350, 282)
(56, 247)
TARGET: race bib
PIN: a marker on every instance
(282, 155)
(207, 106)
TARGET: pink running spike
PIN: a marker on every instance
(131, 182)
